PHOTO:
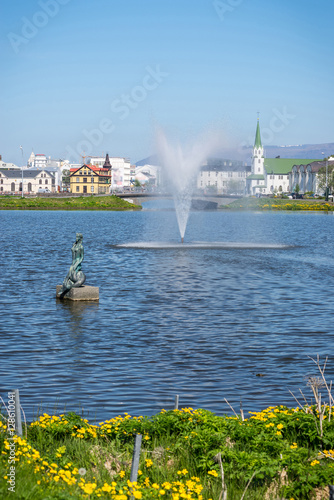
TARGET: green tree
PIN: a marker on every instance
(66, 178)
(322, 178)
(236, 186)
(297, 189)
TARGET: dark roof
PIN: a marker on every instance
(224, 165)
(107, 163)
(27, 174)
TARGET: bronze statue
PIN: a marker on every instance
(75, 277)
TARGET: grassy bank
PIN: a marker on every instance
(279, 452)
(75, 203)
(279, 204)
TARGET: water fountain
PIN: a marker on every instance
(181, 166)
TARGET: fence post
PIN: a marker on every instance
(176, 405)
(331, 492)
(18, 421)
(135, 458)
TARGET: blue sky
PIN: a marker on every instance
(99, 76)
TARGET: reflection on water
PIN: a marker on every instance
(201, 324)
(74, 310)
(200, 245)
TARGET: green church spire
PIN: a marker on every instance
(258, 143)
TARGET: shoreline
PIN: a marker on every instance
(103, 203)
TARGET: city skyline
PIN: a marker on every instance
(100, 77)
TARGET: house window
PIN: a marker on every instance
(92, 189)
(40, 181)
(85, 179)
(29, 187)
(78, 188)
(92, 179)
(259, 161)
(1, 181)
(46, 181)
(80, 172)
(209, 173)
(259, 170)
(12, 186)
(78, 180)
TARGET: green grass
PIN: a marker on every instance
(70, 203)
(266, 204)
(277, 450)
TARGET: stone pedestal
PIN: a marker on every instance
(82, 293)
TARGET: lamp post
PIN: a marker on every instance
(326, 192)
(327, 189)
(22, 171)
(112, 181)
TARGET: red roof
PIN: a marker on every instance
(91, 167)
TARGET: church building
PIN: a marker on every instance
(270, 175)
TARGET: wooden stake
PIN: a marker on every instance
(135, 458)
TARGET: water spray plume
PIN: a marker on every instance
(181, 165)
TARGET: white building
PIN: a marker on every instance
(223, 176)
(306, 176)
(149, 174)
(8, 165)
(269, 175)
(120, 170)
(34, 181)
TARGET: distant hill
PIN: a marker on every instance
(310, 151)
(150, 160)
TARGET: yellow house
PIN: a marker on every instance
(89, 179)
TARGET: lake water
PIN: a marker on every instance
(200, 321)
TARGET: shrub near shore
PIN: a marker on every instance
(67, 203)
(279, 204)
(277, 452)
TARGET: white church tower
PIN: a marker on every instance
(256, 182)
(258, 153)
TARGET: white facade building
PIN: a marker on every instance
(120, 171)
(306, 176)
(149, 174)
(34, 181)
(223, 176)
(270, 175)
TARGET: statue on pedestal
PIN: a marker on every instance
(75, 277)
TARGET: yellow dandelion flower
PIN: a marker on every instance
(213, 473)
